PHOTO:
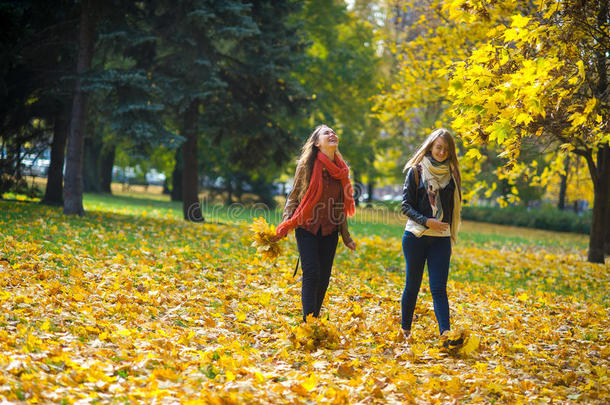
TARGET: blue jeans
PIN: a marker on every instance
(437, 252)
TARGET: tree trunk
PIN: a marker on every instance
(599, 240)
(191, 207)
(607, 224)
(106, 164)
(229, 189)
(55, 177)
(602, 89)
(371, 188)
(563, 187)
(92, 150)
(357, 189)
(176, 194)
(239, 189)
(601, 189)
(73, 188)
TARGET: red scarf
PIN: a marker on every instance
(338, 170)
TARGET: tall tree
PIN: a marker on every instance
(36, 49)
(196, 40)
(128, 102)
(264, 97)
(225, 66)
(73, 190)
(508, 74)
(542, 74)
(341, 72)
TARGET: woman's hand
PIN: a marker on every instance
(437, 225)
(276, 238)
(351, 245)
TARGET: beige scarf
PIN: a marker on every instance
(436, 176)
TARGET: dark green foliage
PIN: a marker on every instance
(129, 102)
(221, 72)
(233, 60)
(35, 52)
(130, 110)
(261, 92)
(343, 71)
(195, 39)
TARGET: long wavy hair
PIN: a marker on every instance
(309, 153)
(426, 147)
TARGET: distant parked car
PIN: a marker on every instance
(130, 175)
(35, 166)
(155, 178)
(40, 167)
(123, 174)
(391, 197)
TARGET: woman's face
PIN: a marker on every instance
(327, 139)
(440, 149)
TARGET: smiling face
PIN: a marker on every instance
(440, 149)
(327, 140)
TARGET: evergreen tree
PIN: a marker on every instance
(196, 42)
(256, 135)
(37, 52)
(127, 107)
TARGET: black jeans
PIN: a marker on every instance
(317, 254)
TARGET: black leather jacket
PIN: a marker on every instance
(415, 204)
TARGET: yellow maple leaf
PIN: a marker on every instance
(470, 345)
(259, 377)
(310, 383)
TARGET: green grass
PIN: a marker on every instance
(120, 223)
(368, 222)
(138, 207)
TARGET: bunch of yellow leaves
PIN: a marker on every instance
(315, 333)
(460, 341)
(265, 240)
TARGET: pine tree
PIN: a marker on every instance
(197, 38)
(37, 53)
(256, 134)
(127, 101)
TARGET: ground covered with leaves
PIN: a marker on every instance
(115, 307)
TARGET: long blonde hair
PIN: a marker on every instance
(309, 153)
(426, 147)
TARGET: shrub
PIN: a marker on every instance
(548, 218)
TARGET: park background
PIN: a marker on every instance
(140, 139)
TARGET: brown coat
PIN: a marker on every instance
(293, 200)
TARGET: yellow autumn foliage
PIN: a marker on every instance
(264, 239)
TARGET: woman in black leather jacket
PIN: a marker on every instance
(432, 202)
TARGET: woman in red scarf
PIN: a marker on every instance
(317, 208)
